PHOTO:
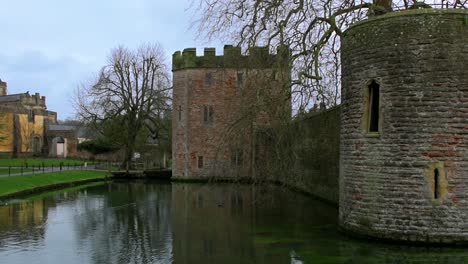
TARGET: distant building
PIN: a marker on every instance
(28, 128)
(63, 140)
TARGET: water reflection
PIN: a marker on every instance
(148, 222)
(22, 224)
(129, 223)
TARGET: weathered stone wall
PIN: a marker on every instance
(193, 137)
(316, 146)
(23, 119)
(388, 185)
(6, 132)
(217, 103)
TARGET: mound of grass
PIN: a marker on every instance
(9, 185)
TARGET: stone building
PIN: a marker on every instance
(219, 102)
(404, 139)
(63, 140)
(28, 128)
(24, 119)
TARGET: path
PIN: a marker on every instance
(46, 169)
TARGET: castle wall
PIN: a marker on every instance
(317, 147)
(215, 101)
(6, 132)
(404, 176)
(30, 131)
(193, 136)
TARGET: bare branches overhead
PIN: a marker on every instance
(311, 28)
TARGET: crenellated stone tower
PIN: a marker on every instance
(218, 103)
(404, 133)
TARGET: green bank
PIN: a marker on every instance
(18, 162)
(22, 185)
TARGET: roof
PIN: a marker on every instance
(10, 98)
(61, 128)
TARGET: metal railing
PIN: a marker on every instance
(42, 168)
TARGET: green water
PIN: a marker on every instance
(150, 222)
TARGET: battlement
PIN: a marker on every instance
(3, 88)
(33, 100)
(258, 57)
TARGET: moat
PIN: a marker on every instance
(154, 222)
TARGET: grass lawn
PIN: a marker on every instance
(5, 162)
(108, 168)
(14, 184)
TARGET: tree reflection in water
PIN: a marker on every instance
(128, 223)
(154, 222)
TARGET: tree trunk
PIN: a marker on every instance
(383, 6)
(129, 148)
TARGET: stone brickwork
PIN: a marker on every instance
(217, 106)
(404, 175)
(23, 123)
(317, 147)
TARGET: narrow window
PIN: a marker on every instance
(208, 79)
(374, 96)
(210, 114)
(205, 113)
(436, 184)
(31, 115)
(237, 157)
(200, 162)
(180, 112)
(275, 75)
(240, 80)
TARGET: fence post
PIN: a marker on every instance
(9, 170)
(21, 170)
(60, 166)
(33, 168)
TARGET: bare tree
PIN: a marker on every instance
(132, 89)
(311, 28)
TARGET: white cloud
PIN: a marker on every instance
(51, 46)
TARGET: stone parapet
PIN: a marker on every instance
(259, 57)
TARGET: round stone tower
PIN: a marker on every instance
(404, 134)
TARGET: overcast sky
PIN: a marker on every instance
(51, 46)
